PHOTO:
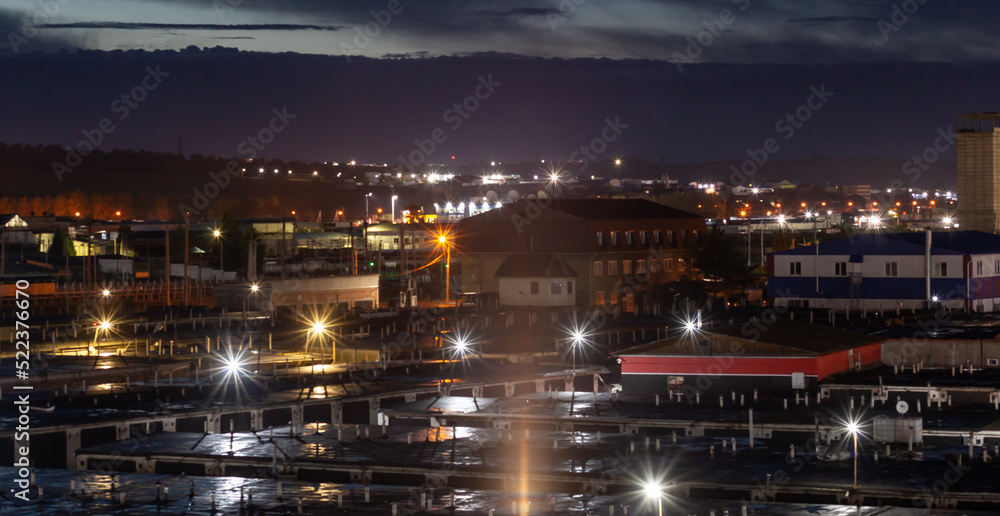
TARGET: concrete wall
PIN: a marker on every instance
(941, 354)
(517, 292)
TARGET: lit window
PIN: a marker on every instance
(640, 266)
(626, 266)
(612, 267)
(613, 297)
(599, 297)
(598, 268)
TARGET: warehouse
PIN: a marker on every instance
(787, 354)
(892, 271)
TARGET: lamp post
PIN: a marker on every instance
(577, 340)
(443, 240)
(103, 327)
(318, 329)
(853, 429)
(217, 235)
(394, 197)
(654, 491)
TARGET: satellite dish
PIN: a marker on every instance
(902, 407)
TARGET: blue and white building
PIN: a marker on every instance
(919, 270)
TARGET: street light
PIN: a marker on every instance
(103, 326)
(318, 328)
(577, 337)
(216, 234)
(853, 429)
(443, 240)
(394, 197)
(653, 491)
(366, 206)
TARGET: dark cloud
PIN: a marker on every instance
(186, 26)
(523, 11)
(818, 20)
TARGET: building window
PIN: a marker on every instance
(555, 287)
(657, 237)
(614, 238)
(671, 237)
(626, 266)
(891, 269)
(840, 269)
(534, 287)
(941, 269)
(612, 267)
(599, 297)
(644, 237)
(613, 297)
(697, 235)
(569, 287)
(979, 268)
(668, 265)
(598, 268)
(996, 267)
(681, 266)
(600, 238)
(794, 268)
(654, 265)
(684, 237)
(640, 266)
(629, 237)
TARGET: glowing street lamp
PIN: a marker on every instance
(654, 491)
(394, 197)
(577, 338)
(102, 326)
(217, 235)
(854, 430)
(317, 328)
(443, 240)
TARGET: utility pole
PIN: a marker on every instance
(186, 253)
(168, 265)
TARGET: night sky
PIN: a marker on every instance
(560, 70)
